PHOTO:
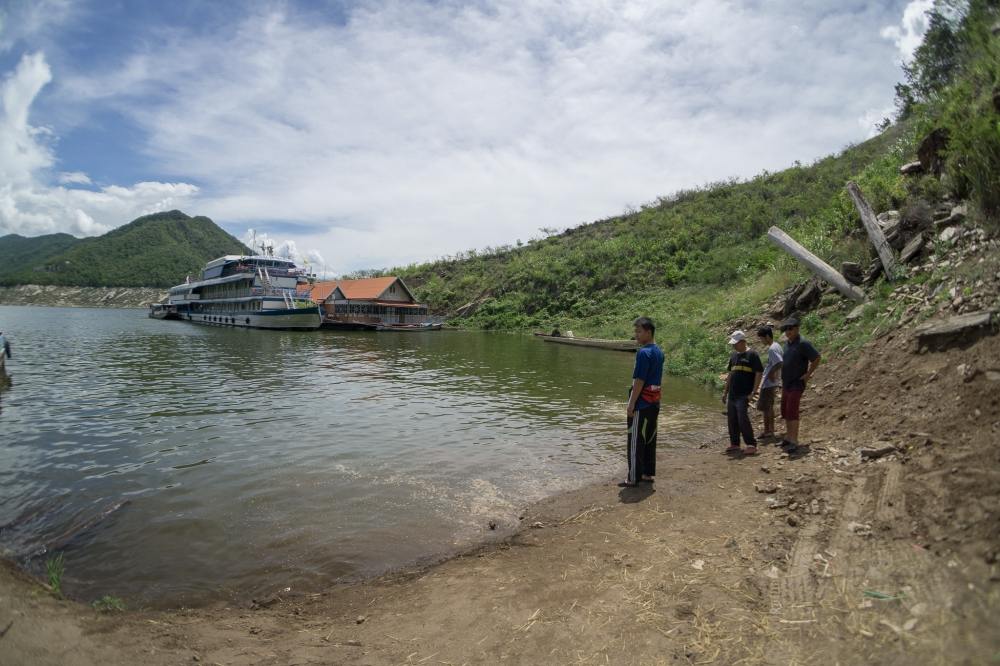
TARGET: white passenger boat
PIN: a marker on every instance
(244, 291)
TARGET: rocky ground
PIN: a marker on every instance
(87, 297)
(877, 544)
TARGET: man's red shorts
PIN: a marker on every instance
(790, 399)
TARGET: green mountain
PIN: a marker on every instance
(18, 253)
(156, 250)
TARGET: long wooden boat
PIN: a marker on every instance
(616, 345)
(408, 328)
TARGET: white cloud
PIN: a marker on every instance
(286, 249)
(872, 119)
(74, 178)
(28, 205)
(31, 20)
(910, 32)
(414, 130)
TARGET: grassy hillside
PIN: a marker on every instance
(152, 251)
(698, 260)
(18, 253)
(710, 237)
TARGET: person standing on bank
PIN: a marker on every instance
(745, 372)
(772, 375)
(800, 362)
(643, 405)
(4, 350)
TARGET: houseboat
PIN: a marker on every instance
(377, 304)
(258, 291)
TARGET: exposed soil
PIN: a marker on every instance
(827, 557)
(87, 297)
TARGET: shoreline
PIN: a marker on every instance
(558, 506)
(33, 295)
(831, 557)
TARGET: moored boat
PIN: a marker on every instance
(163, 311)
(408, 328)
(615, 345)
(257, 291)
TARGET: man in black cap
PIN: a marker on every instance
(800, 360)
(742, 382)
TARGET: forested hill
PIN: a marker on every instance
(156, 250)
(598, 276)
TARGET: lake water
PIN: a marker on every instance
(174, 464)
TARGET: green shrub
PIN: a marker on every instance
(109, 604)
(54, 569)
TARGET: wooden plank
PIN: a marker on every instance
(819, 267)
(885, 252)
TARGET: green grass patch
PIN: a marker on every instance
(55, 567)
(109, 604)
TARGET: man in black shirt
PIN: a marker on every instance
(800, 362)
(745, 373)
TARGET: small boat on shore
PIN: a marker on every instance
(163, 311)
(615, 345)
(408, 328)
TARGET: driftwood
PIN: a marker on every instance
(912, 249)
(820, 268)
(872, 454)
(885, 252)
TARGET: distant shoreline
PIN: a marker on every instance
(81, 297)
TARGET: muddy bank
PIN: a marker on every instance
(829, 557)
(81, 297)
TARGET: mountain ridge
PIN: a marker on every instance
(155, 250)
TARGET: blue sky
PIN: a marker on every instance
(377, 133)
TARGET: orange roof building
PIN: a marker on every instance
(367, 302)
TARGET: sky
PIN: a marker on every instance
(373, 134)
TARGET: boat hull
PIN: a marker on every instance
(307, 319)
(614, 345)
(404, 328)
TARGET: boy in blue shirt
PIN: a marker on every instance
(643, 406)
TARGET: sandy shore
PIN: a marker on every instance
(825, 558)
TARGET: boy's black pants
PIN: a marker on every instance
(641, 449)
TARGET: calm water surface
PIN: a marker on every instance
(173, 463)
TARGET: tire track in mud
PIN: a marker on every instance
(791, 593)
(794, 594)
(900, 561)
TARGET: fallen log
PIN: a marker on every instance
(819, 268)
(875, 234)
(912, 248)
(872, 454)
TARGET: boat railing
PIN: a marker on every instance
(290, 294)
(271, 270)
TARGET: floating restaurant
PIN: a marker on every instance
(382, 303)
